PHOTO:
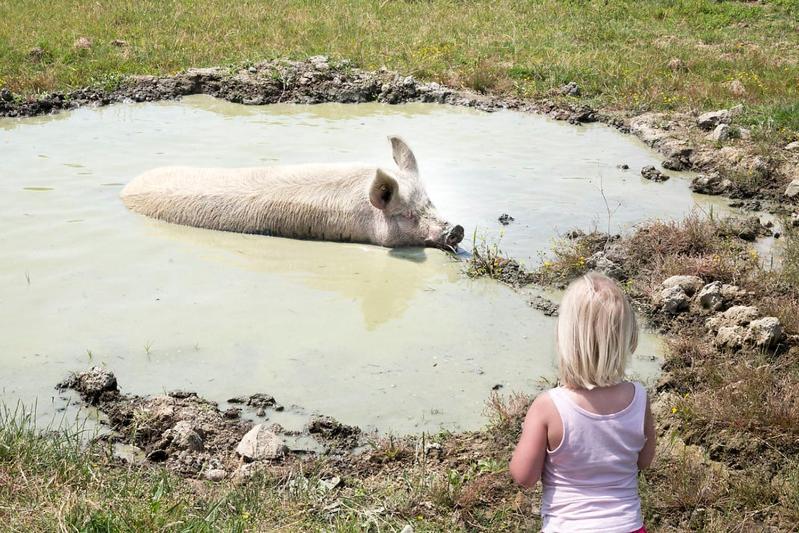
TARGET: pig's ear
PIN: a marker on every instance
(382, 190)
(403, 156)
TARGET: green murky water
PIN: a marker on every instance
(393, 340)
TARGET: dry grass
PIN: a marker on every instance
(737, 411)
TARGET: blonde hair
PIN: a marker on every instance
(596, 333)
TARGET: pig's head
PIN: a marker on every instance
(411, 218)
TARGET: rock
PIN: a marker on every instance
(82, 43)
(260, 412)
(119, 42)
(330, 484)
(505, 219)
(794, 220)
(731, 337)
(712, 184)
(623, 166)
(570, 89)
(260, 443)
(36, 53)
(676, 64)
(215, 474)
(708, 121)
(764, 332)
(689, 284)
(792, 146)
(745, 133)
(737, 315)
(407, 529)
(710, 296)
(184, 437)
(673, 300)
(793, 189)
(737, 88)
(6, 95)
(600, 262)
(653, 174)
(577, 233)
(721, 133)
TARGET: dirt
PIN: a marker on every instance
(678, 136)
(193, 436)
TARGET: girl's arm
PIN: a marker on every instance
(528, 458)
(647, 453)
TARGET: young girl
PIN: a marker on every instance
(587, 439)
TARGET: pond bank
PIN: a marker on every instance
(711, 143)
(726, 408)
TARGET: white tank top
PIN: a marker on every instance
(591, 479)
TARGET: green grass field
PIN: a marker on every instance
(618, 51)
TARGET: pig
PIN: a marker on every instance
(349, 202)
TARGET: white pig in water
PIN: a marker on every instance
(334, 202)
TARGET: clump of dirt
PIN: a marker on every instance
(332, 431)
(191, 435)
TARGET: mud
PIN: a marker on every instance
(736, 170)
(194, 437)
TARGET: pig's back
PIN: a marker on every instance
(301, 201)
(189, 181)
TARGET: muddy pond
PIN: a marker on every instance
(397, 341)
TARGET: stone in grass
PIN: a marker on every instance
(712, 184)
(261, 443)
(764, 332)
(721, 133)
(689, 284)
(651, 173)
(215, 474)
(737, 315)
(793, 189)
(730, 337)
(711, 297)
(708, 121)
(673, 300)
(570, 89)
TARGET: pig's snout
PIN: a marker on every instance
(454, 236)
(448, 239)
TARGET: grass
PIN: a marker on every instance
(64, 480)
(617, 52)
